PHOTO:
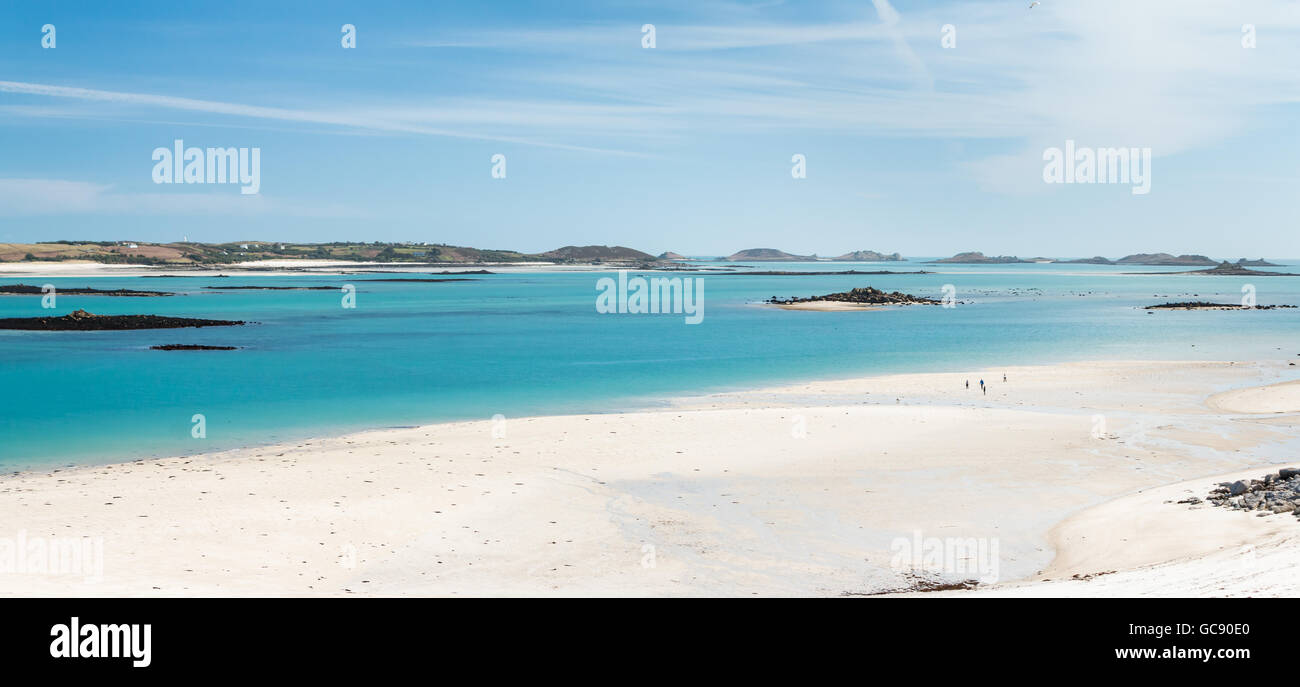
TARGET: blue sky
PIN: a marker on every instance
(910, 146)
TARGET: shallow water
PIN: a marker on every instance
(529, 344)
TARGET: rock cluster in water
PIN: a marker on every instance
(1275, 493)
(865, 295)
(192, 347)
(1206, 305)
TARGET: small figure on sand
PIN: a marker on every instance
(986, 391)
(1004, 376)
(968, 384)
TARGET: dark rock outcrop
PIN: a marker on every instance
(192, 347)
(1205, 305)
(272, 288)
(80, 320)
(29, 290)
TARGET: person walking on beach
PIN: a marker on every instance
(1004, 376)
(986, 391)
(968, 385)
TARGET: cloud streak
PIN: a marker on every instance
(34, 197)
(274, 113)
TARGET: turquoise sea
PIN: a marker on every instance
(533, 344)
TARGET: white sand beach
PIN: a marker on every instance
(800, 490)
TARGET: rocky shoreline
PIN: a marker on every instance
(1275, 494)
(80, 320)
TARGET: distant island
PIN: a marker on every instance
(868, 256)
(1229, 269)
(1098, 260)
(1166, 259)
(767, 254)
(1146, 259)
(977, 258)
(1161, 259)
(596, 254)
(774, 255)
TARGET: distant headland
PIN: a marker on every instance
(196, 255)
(774, 255)
(1144, 259)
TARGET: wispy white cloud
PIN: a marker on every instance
(326, 118)
(669, 38)
(1167, 70)
(28, 197)
(890, 19)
